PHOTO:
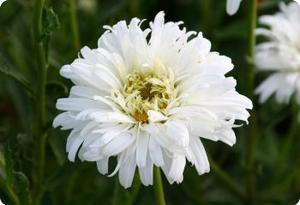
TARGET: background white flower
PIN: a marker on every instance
(298, 203)
(281, 54)
(149, 102)
(298, 2)
(232, 6)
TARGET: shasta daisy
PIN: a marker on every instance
(148, 97)
(280, 54)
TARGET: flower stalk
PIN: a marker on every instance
(226, 179)
(40, 102)
(158, 187)
(207, 21)
(74, 24)
(135, 191)
(252, 137)
(290, 139)
(9, 191)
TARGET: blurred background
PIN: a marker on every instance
(277, 163)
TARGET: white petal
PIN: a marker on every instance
(118, 144)
(87, 129)
(73, 144)
(65, 120)
(191, 54)
(89, 55)
(155, 152)
(156, 134)
(84, 92)
(109, 134)
(90, 154)
(201, 161)
(146, 173)
(127, 169)
(102, 165)
(142, 148)
(111, 117)
(269, 86)
(78, 104)
(177, 168)
(167, 165)
(232, 6)
(155, 116)
(178, 132)
(227, 136)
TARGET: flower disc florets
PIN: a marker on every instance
(147, 90)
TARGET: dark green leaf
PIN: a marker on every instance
(50, 23)
(7, 69)
(8, 165)
(22, 186)
(57, 84)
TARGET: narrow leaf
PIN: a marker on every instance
(7, 69)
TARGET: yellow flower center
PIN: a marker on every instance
(147, 91)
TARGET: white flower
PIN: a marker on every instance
(148, 97)
(281, 54)
(298, 2)
(232, 6)
(298, 203)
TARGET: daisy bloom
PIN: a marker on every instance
(148, 97)
(232, 6)
(281, 54)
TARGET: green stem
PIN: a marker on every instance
(41, 98)
(158, 187)
(8, 190)
(207, 13)
(74, 24)
(252, 18)
(135, 191)
(116, 192)
(289, 140)
(252, 137)
(226, 179)
(13, 197)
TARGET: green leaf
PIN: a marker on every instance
(57, 84)
(7, 175)
(8, 191)
(7, 69)
(22, 186)
(50, 23)
(8, 165)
